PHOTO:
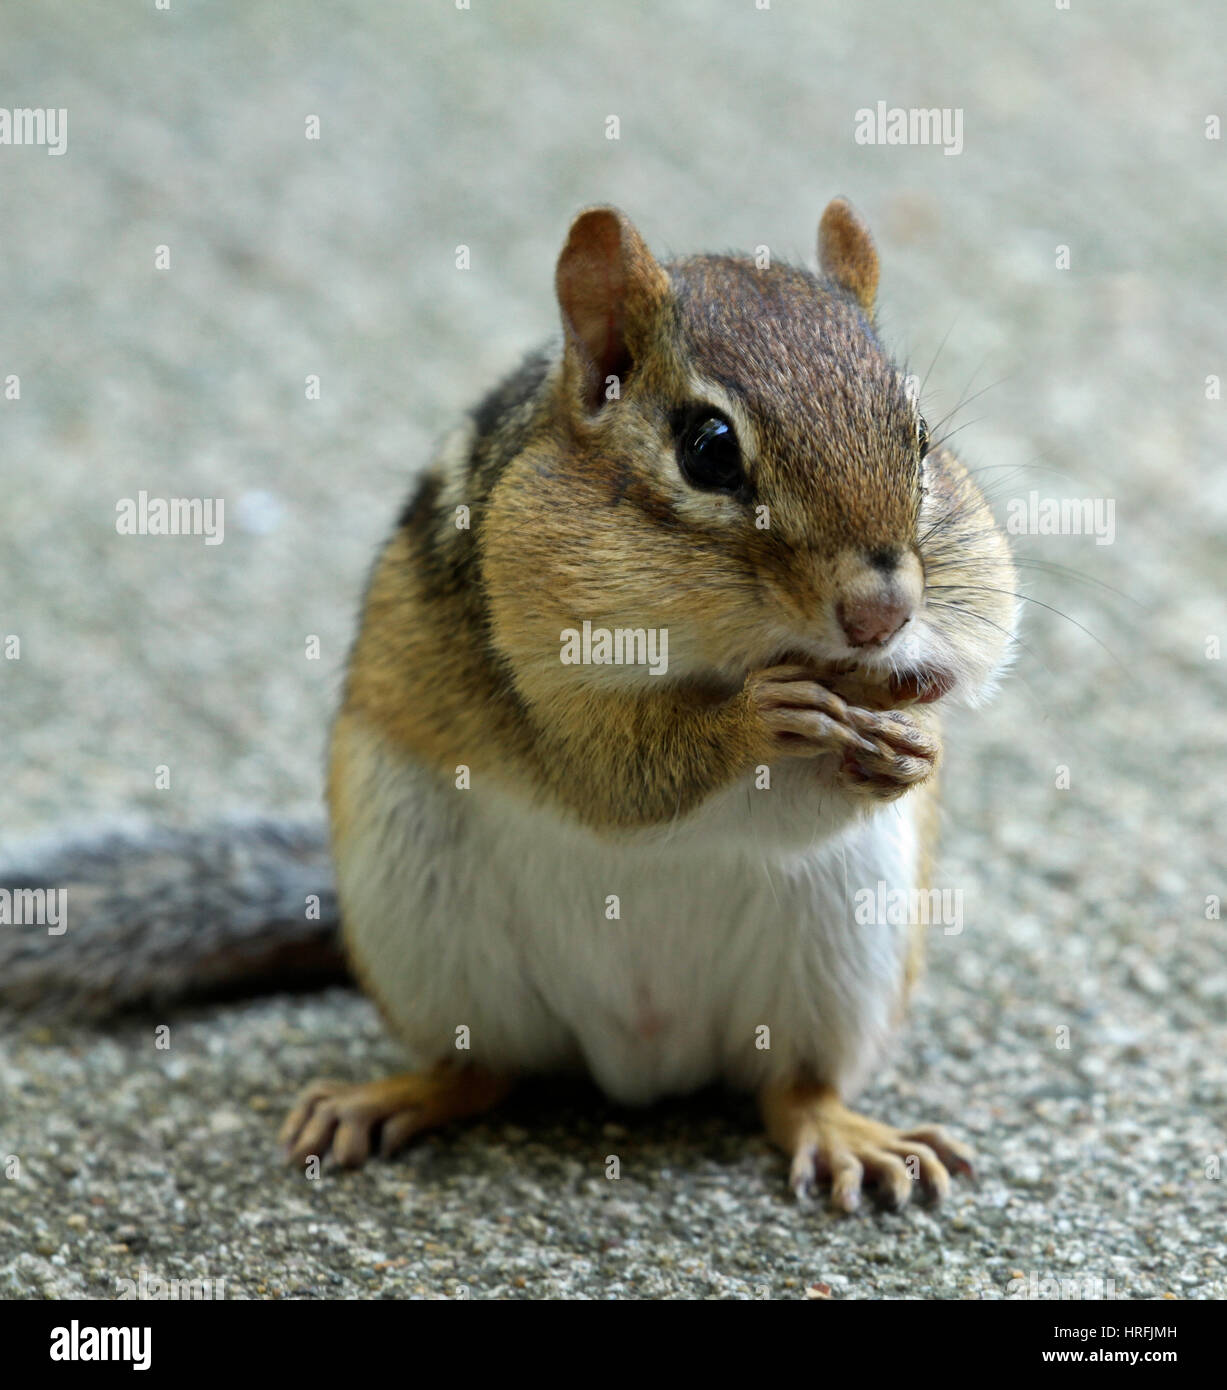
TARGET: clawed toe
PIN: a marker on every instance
(341, 1123)
(829, 1143)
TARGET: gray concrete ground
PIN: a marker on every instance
(1086, 906)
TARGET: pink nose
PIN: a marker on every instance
(872, 622)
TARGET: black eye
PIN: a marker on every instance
(922, 435)
(708, 454)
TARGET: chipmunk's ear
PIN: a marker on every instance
(846, 253)
(610, 288)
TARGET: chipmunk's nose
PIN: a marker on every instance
(873, 621)
(879, 594)
(877, 591)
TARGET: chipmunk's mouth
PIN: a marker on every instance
(918, 683)
(924, 684)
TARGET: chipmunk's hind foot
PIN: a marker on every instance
(827, 1142)
(345, 1123)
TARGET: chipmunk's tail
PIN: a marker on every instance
(143, 918)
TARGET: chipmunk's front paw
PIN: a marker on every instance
(902, 755)
(881, 753)
(827, 1142)
(798, 717)
(347, 1122)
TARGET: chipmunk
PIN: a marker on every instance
(645, 869)
(546, 865)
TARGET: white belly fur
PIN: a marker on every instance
(471, 909)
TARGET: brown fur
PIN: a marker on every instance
(579, 512)
(846, 253)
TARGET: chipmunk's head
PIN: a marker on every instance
(737, 461)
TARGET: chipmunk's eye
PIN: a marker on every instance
(709, 455)
(922, 435)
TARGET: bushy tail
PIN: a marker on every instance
(154, 916)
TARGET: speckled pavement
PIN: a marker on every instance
(1073, 1031)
